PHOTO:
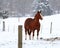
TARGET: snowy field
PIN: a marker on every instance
(9, 37)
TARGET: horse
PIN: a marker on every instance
(31, 25)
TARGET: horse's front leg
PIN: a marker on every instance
(37, 33)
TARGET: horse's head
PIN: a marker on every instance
(38, 15)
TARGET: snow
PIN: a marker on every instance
(40, 44)
(44, 33)
(8, 40)
(9, 37)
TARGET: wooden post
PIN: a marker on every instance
(3, 26)
(20, 36)
(51, 28)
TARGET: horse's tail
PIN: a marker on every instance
(29, 32)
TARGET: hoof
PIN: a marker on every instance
(29, 38)
(37, 38)
(25, 39)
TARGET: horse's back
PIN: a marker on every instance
(27, 22)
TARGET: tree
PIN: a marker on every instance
(42, 5)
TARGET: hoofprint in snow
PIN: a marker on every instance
(48, 38)
(9, 37)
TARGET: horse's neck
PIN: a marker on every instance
(36, 20)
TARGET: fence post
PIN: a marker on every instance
(3, 25)
(51, 28)
(19, 36)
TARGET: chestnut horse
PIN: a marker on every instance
(31, 25)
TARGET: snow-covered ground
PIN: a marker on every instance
(9, 37)
(44, 33)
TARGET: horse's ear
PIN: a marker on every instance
(40, 11)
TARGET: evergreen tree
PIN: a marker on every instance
(42, 5)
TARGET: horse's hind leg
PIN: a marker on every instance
(25, 34)
(33, 35)
(30, 35)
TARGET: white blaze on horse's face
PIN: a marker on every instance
(41, 17)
